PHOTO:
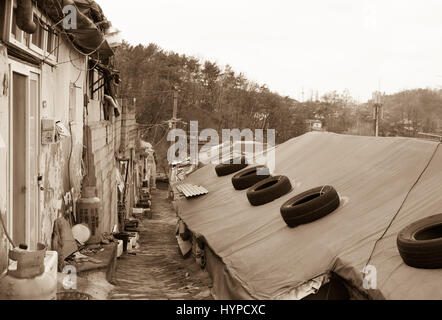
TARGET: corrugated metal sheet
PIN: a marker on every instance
(191, 191)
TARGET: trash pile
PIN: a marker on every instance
(75, 248)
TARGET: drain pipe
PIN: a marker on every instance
(25, 16)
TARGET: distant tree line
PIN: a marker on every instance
(218, 97)
(412, 111)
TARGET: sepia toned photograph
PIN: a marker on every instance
(220, 155)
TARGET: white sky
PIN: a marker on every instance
(303, 45)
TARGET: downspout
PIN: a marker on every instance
(25, 16)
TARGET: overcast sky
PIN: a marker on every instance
(302, 45)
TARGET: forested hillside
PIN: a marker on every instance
(420, 108)
(215, 96)
(218, 98)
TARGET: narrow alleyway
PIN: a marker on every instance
(158, 271)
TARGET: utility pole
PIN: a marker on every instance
(173, 121)
(377, 111)
(175, 107)
(172, 126)
(376, 120)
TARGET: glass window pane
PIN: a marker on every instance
(37, 37)
(25, 39)
(14, 23)
(49, 46)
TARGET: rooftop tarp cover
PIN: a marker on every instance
(264, 259)
(88, 35)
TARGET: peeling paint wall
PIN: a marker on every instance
(4, 116)
(104, 140)
(129, 133)
(129, 140)
(101, 164)
(101, 170)
(62, 93)
(61, 167)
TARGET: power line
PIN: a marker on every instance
(403, 203)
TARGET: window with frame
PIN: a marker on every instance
(96, 85)
(51, 43)
(14, 28)
(38, 36)
(43, 43)
(16, 33)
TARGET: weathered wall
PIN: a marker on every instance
(62, 92)
(100, 142)
(4, 116)
(60, 164)
(128, 126)
(105, 140)
(129, 138)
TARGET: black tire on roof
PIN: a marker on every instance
(234, 166)
(310, 206)
(269, 190)
(420, 243)
(249, 177)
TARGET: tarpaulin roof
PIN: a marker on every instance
(91, 24)
(93, 11)
(264, 259)
(219, 153)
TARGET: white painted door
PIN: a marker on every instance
(24, 155)
(33, 160)
(18, 153)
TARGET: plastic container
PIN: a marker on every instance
(131, 225)
(120, 249)
(135, 235)
(125, 238)
(28, 263)
(42, 287)
(130, 246)
(88, 212)
(132, 241)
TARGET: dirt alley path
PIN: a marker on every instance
(158, 271)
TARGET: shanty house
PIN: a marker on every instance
(383, 185)
(60, 124)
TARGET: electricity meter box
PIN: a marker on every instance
(48, 131)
